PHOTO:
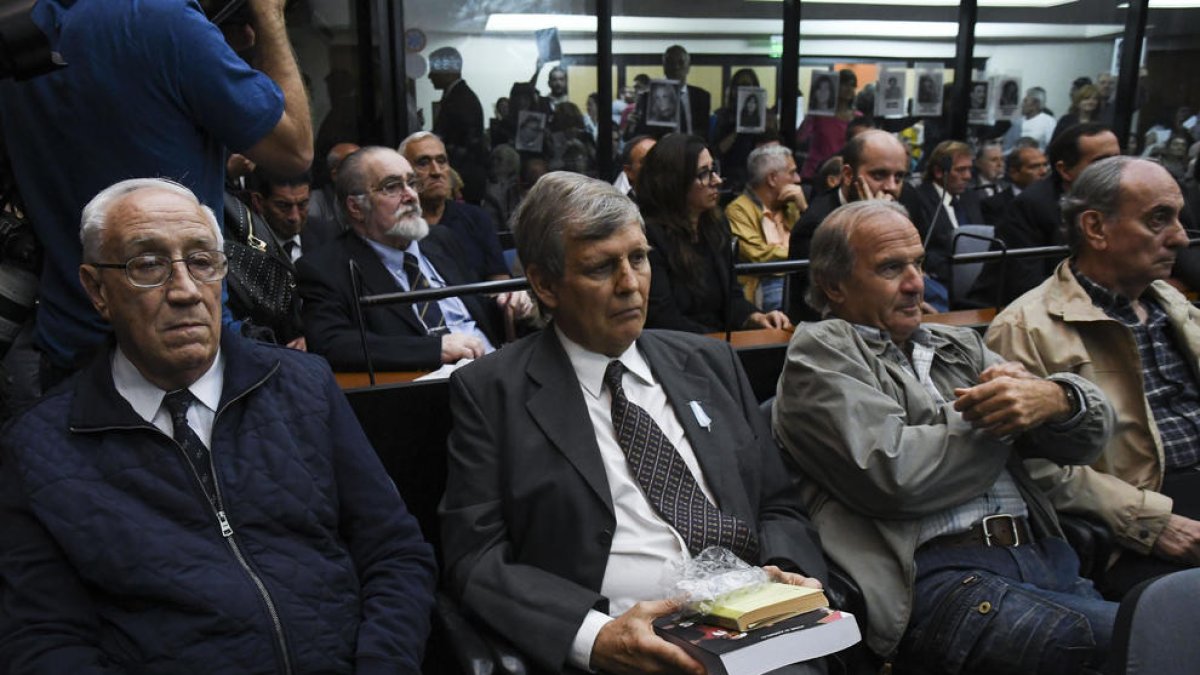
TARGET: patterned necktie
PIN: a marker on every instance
(428, 312)
(177, 403)
(667, 481)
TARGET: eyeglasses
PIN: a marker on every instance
(394, 187)
(152, 271)
(710, 174)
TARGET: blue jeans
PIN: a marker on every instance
(772, 293)
(1006, 610)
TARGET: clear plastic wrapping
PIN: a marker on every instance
(716, 571)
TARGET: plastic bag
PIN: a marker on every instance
(716, 571)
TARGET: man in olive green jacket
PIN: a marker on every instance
(1100, 315)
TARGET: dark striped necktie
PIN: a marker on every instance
(428, 311)
(668, 483)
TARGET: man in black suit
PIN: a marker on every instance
(1023, 166)
(459, 122)
(394, 251)
(874, 166)
(946, 203)
(1035, 218)
(695, 104)
(551, 535)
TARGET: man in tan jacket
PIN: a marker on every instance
(1108, 314)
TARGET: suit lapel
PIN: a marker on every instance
(713, 446)
(376, 279)
(559, 410)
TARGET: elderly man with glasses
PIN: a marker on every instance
(192, 501)
(393, 250)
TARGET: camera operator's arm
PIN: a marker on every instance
(288, 148)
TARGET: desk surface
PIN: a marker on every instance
(740, 339)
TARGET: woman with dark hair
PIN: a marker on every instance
(750, 112)
(691, 283)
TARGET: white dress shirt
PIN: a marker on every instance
(146, 399)
(643, 544)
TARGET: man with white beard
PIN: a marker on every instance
(394, 251)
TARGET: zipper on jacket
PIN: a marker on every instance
(227, 529)
(227, 534)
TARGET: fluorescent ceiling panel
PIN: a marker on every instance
(937, 3)
(1157, 4)
(627, 25)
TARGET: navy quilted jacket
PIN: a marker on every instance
(112, 560)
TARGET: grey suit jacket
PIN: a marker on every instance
(527, 518)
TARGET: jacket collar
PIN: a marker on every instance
(96, 405)
(1067, 299)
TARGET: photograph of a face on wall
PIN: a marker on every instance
(977, 105)
(664, 104)
(889, 92)
(531, 127)
(928, 101)
(1008, 104)
(822, 94)
(752, 110)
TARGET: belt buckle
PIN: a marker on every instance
(1012, 527)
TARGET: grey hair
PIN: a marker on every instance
(565, 204)
(766, 160)
(1098, 188)
(413, 138)
(94, 221)
(831, 259)
(352, 180)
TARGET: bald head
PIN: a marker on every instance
(875, 166)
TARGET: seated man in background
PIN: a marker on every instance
(1023, 166)
(911, 438)
(631, 164)
(1035, 218)
(283, 201)
(762, 217)
(394, 250)
(473, 227)
(322, 206)
(194, 501)
(874, 166)
(1108, 315)
(989, 170)
(551, 535)
(946, 203)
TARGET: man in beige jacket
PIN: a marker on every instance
(1108, 314)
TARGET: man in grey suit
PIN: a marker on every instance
(552, 535)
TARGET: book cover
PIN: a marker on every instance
(799, 638)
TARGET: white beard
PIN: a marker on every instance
(409, 224)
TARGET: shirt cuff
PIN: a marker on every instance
(585, 637)
(1080, 397)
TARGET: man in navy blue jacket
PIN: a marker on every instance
(192, 502)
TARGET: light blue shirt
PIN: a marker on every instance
(458, 319)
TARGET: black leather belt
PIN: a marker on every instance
(998, 530)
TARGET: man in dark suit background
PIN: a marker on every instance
(459, 122)
(695, 103)
(395, 251)
(550, 535)
(1023, 166)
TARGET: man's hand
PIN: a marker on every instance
(299, 344)
(517, 302)
(794, 193)
(864, 191)
(772, 319)
(628, 644)
(458, 346)
(1007, 369)
(792, 578)
(1006, 404)
(1179, 540)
